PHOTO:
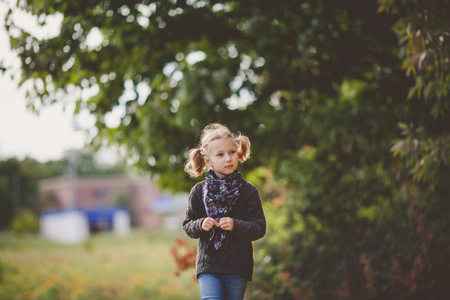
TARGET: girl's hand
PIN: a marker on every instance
(209, 223)
(226, 223)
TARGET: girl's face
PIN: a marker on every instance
(222, 157)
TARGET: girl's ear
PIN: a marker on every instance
(206, 160)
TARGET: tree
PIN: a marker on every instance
(263, 62)
(320, 88)
(18, 188)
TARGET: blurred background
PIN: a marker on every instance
(345, 102)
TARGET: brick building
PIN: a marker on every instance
(140, 196)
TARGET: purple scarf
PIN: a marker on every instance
(219, 197)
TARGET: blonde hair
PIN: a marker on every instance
(196, 165)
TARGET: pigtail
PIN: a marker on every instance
(195, 164)
(244, 147)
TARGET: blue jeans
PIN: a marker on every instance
(223, 287)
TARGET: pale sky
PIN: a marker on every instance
(23, 133)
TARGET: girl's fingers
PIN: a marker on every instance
(209, 223)
(205, 225)
(226, 223)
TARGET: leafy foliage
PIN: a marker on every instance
(25, 222)
(424, 32)
(264, 63)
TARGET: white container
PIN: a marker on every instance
(65, 226)
(121, 222)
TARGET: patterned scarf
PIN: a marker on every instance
(219, 197)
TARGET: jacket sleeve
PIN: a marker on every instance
(253, 227)
(195, 214)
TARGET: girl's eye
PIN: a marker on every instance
(219, 154)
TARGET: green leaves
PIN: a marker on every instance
(423, 32)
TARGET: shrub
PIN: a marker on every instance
(25, 222)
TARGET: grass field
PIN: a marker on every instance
(136, 266)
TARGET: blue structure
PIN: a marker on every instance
(74, 225)
(101, 218)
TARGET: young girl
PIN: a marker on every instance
(224, 212)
